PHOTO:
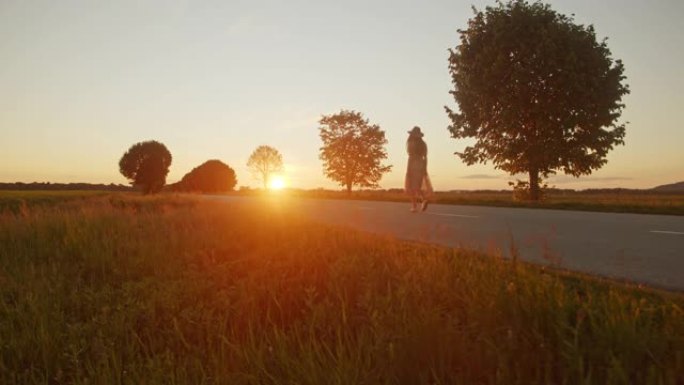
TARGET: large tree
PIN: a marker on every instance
(212, 176)
(352, 150)
(146, 165)
(264, 162)
(538, 92)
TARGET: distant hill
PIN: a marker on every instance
(674, 187)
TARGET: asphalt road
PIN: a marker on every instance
(641, 248)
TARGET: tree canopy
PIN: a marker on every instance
(264, 162)
(146, 165)
(538, 92)
(212, 176)
(352, 150)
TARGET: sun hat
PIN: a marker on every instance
(415, 131)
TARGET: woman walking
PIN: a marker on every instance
(417, 183)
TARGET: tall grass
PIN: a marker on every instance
(19, 200)
(118, 289)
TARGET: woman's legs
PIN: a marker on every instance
(425, 191)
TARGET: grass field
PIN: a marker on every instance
(119, 289)
(615, 201)
(21, 200)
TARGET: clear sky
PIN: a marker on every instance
(81, 81)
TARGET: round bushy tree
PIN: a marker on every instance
(537, 92)
(146, 165)
(212, 176)
(353, 150)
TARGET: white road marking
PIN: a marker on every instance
(666, 232)
(453, 215)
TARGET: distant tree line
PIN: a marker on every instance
(47, 186)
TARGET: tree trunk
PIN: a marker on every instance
(534, 186)
(265, 178)
(349, 188)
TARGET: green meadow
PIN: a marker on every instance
(170, 289)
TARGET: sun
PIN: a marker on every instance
(277, 183)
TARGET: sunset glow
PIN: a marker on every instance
(277, 183)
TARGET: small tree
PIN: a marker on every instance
(352, 150)
(212, 176)
(146, 165)
(264, 162)
(537, 92)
